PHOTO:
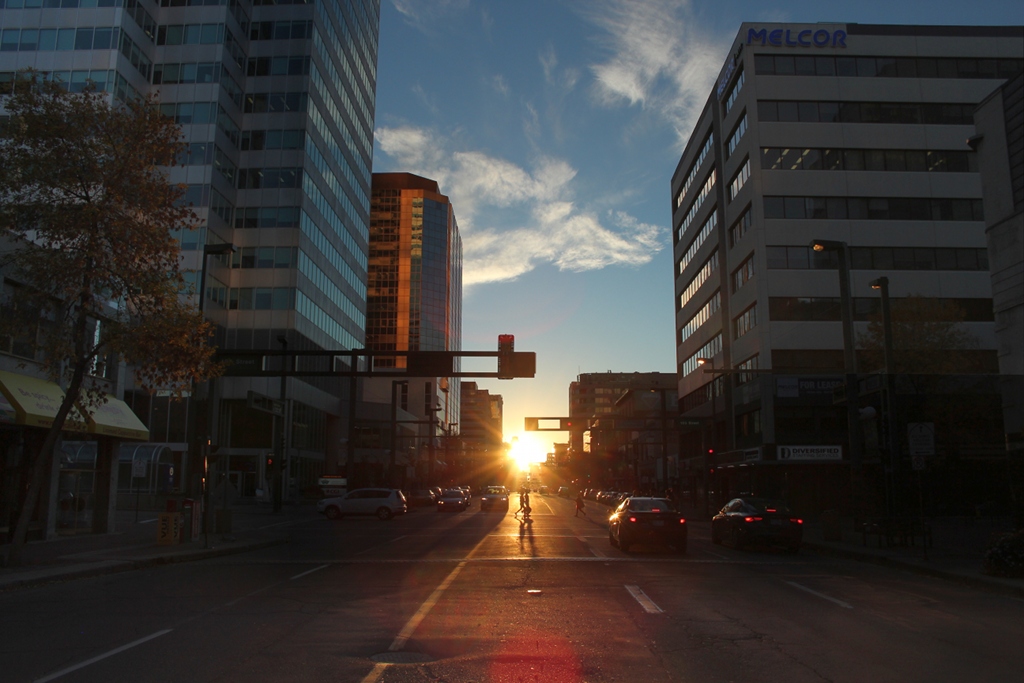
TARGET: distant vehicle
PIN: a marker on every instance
(452, 499)
(384, 503)
(757, 521)
(494, 497)
(563, 492)
(641, 519)
(544, 490)
(421, 498)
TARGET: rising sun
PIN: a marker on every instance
(525, 451)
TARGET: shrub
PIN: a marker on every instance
(1005, 557)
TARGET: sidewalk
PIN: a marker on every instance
(134, 546)
(956, 553)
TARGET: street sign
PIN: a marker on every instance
(684, 422)
(921, 438)
(138, 469)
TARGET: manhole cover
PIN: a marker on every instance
(401, 658)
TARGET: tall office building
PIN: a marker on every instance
(414, 297)
(276, 102)
(853, 134)
(481, 451)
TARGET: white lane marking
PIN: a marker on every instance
(396, 539)
(721, 557)
(644, 601)
(820, 595)
(428, 604)
(97, 658)
(315, 569)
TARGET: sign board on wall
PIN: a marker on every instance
(809, 453)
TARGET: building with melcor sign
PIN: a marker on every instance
(853, 138)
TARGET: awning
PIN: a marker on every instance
(35, 402)
(115, 418)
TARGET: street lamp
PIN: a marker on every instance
(216, 249)
(892, 442)
(849, 354)
(710, 362)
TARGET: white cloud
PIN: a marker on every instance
(513, 219)
(661, 59)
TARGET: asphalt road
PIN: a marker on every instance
(476, 596)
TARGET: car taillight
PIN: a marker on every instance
(632, 519)
(655, 509)
(752, 519)
(682, 520)
(796, 521)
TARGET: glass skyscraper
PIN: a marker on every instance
(276, 101)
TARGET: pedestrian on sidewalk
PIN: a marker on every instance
(580, 505)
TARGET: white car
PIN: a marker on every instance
(384, 503)
(494, 497)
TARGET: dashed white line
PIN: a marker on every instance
(820, 595)
(97, 658)
(644, 601)
(315, 569)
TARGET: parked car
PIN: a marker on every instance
(544, 490)
(641, 519)
(757, 521)
(452, 499)
(421, 498)
(384, 503)
(563, 492)
(494, 497)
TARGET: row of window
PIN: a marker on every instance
(798, 308)
(743, 274)
(692, 175)
(701, 316)
(737, 135)
(740, 227)
(254, 140)
(705, 190)
(281, 30)
(268, 178)
(739, 180)
(734, 93)
(265, 257)
(271, 102)
(891, 67)
(261, 299)
(698, 240)
(189, 72)
(60, 39)
(190, 34)
(267, 217)
(915, 160)
(278, 66)
(866, 112)
(76, 81)
(709, 350)
(879, 258)
(700, 278)
(874, 208)
(744, 322)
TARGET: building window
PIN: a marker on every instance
(256, 178)
(748, 364)
(698, 241)
(912, 160)
(739, 228)
(705, 190)
(743, 274)
(744, 322)
(734, 92)
(699, 279)
(739, 180)
(692, 175)
(865, 112)
(737, 135)
(887, 67)
(709, 350)
(748, 424)
(874, 208)
(701, 317)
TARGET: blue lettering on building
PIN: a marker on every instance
(797, 37)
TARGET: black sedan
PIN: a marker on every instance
(640, 519)
(757, 521)
(452, 499)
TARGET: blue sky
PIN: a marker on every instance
(554, 126)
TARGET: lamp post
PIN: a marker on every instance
(892, 440)
(850, 361)
(394, 426)
(710, 362)
(216, 249)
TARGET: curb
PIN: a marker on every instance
(50, 575)
(993, 585)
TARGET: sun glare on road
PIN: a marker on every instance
(525, 451)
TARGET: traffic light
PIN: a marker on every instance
(565, 424)
(506, 348)
(270, 462)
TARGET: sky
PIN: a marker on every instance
(554, 127)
